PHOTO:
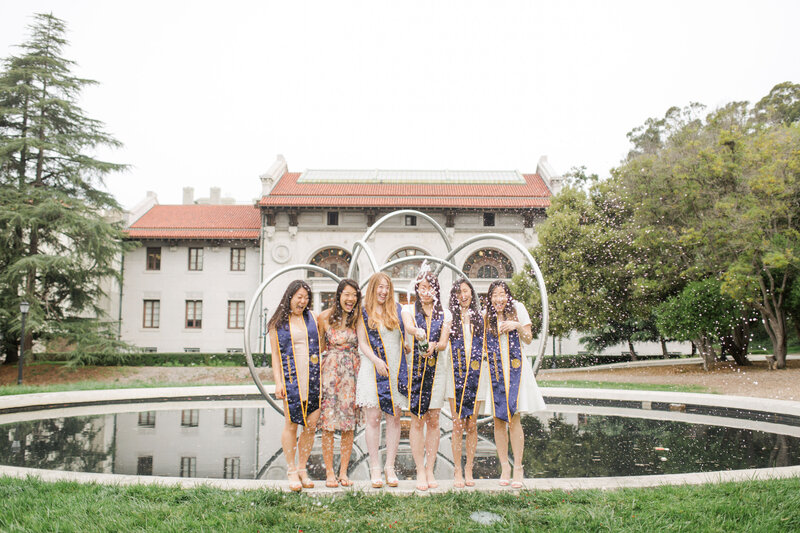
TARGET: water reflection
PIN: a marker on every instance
(237, 442)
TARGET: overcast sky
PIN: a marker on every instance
(206, 93)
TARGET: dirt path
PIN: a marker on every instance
(723, 378)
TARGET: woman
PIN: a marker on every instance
(340, 363)
(514, 389)
(382, 376)
(428, 324)
(294, 339)
(467, 375)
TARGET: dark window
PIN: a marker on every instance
(188, 466)
(191, 350)
(231, 468)
(333, 218)
(233, 417)
(488, 219)
(150, 349)
(190, 418)
(154, 259)
(408, 269)
(235, 314)
(147, 419)
(237, 259)
(411, 220)
(152, 313)
(327, 299)
(336, 260)
(195, 259)
(144, 466)
(194, 314)
(488, 264)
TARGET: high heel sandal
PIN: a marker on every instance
(294, 486)
(377, 482)
(504, 482)
(305, 481)
(517, 484)
(391, 479)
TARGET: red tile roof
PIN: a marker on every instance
(288, 192)
(238, 222)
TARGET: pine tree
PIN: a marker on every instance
(58, 245)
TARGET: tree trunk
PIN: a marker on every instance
(664, 351)
(776, 329)
(706, 351)
(634, 357)
(736, 343)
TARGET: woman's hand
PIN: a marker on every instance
(507, 326)
(431, 349)
(381, 368)
(280, 391)
(420, 334)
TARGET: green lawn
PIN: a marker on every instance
(6, 390)
(583, 384)
(763, 506)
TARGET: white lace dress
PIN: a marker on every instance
(367, 386)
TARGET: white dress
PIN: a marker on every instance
(366, 385)
(440, 379)
(485, 381)
(530, 399)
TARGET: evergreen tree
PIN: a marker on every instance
(58, 243)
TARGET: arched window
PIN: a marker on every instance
(336, 260)
(488, 264)
(407, 270)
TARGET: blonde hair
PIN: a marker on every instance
(389, 317)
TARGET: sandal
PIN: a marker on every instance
(305, 480)
(345, 481)
(517, 483)
(294, 486)
(468, 481)
(422, 482)
(391, 477)
(505, 481)
(377, 482)
(331, 482)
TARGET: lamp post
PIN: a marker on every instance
(23, 308)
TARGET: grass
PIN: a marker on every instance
(754, 506)
(583, 384)
(7, 390)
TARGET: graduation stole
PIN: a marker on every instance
(466, 370)
(383, 383)
(504, 401)
(299, 409)
(423, 370)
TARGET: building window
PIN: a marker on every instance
(488, 219)
(237, 259)
(194, 314)
(144, 465)
(188, 466)
(333, 218)
(234, 350)
(488, 264)
(152, 313)
(147, 419)
(231, 468)
(327, 300)
(233, 417)
(154, 259)
(195, 259)
(409, 269)
(235, 314)
(411, 220)
(150, 349)
(337, 260)
(190, 418)
(191, 350)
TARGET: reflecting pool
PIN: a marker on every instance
(244, 442)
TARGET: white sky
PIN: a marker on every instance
(207, 93)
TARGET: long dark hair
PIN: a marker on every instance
(509, 311)
(455, 309)
(431, 278)
(281, 314)
(338, 310)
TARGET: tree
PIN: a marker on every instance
(58, 243)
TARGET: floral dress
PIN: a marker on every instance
(340, 366)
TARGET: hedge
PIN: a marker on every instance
(154, 359)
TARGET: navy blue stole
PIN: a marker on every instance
(423, 370)
(383, 383)
(466, 370)
(505, 401)
(299, 409)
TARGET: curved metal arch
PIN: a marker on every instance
(372, 229)
(359, 245)
(442, 263)
(248, 317)
(539, 281)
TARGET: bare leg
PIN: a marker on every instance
(289, 444)
(327, 454)
(344, 459)
(392, 443)
(472, 445)
(517, 447)
(432, 437)
(304, 448)
(417, 440)
(501, 441)
(455, 440)
(373, 436)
